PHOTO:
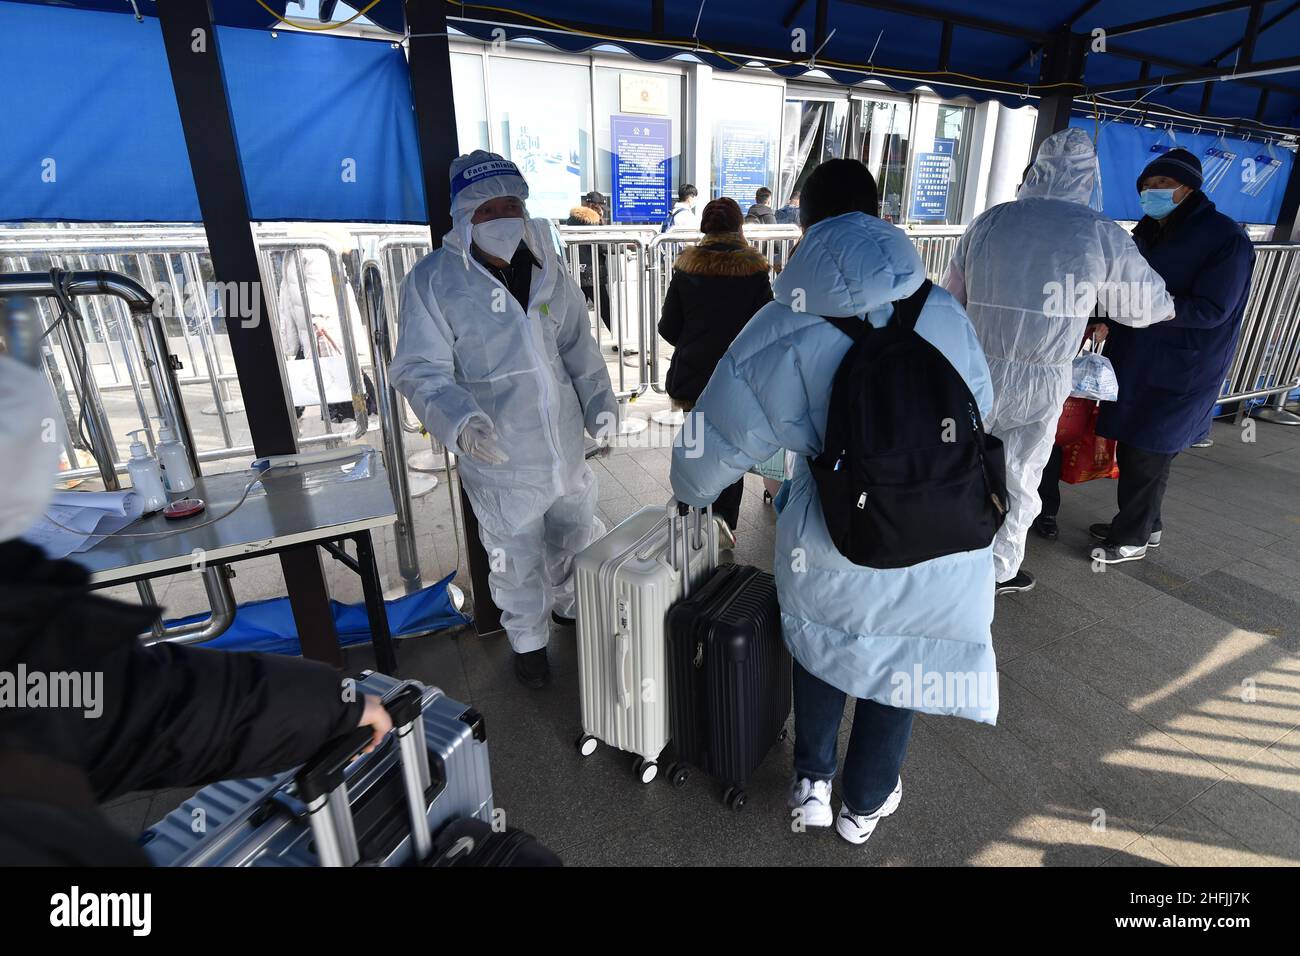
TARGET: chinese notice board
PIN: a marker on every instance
(933, 177)
(742, 161)
(642, 168)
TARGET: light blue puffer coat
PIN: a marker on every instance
(916, 637)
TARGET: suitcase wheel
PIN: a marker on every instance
(645, 770)
(734, 797)
(678, 774)
(586, 744)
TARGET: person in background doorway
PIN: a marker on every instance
(761, 212)
(496, 357)
(788, 215)
(599, 202)
(1030, 273)
(716, 288)
(1170, 375)
(683, 215)
(594, 287)
(322, 306)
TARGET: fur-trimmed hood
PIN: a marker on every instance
(583, 215)
(722, 256)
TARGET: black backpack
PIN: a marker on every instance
(907, 472)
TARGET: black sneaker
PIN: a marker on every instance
(1045, 525)
(1023, 581)
(1102, 531)
(533, 668)
(563, 621)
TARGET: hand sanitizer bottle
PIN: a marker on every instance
(173, 460)
(146, 478)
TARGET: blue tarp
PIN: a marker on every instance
(324, 123)
(1244, 190)
(268, 625)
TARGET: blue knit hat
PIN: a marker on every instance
(1177, 164)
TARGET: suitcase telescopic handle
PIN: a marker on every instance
(322, 786)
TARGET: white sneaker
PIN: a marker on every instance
(858, 829)
(813, 798)
(726, 537)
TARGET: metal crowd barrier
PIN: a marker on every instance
(172, 262)
(935, 245)
(1267, 360)
(149, 335)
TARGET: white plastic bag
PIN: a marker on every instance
(1094, 378)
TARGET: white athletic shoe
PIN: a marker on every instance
(726, 537)
(858, 829)
(813, 798)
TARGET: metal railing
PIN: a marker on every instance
(1267, 359)
(63, 286)
(172, 263)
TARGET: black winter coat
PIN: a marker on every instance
(1171, 373)
(716, 288)
(170, 716)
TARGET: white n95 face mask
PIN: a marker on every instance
(499, 238)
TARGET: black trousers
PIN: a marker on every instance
(1049, 486)
(727, 506)
(1143, 476)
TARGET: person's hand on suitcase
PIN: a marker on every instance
(478, 440)
(376, 718)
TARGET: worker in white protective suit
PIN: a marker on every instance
(309, 292)
(1031, 273)
(495, 355)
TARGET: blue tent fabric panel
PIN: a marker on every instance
(94, 133)
(269, 626)
(99, 137)
(325, 126)
(1124, 149)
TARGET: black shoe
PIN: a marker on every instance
(562, 620)
(533, 668)
(1102, 532)
(1045, 525)
(1023, 581)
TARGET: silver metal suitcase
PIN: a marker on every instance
(340, 810)
(624, 584)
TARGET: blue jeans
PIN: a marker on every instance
(877, 744)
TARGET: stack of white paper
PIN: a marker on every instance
(76, 521)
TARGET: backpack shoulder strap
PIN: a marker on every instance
(851, 325)
(907, 311)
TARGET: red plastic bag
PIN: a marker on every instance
(1091, 456)
(1075, 421)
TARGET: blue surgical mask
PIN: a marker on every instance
(1157, 203)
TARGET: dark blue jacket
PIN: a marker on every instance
(1171, 373)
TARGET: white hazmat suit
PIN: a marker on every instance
(529, 379)
(1030, 274)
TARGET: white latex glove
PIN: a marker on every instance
(478, 440)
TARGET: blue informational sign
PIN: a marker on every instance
(742, 161)
(933, 177)
(643, 171)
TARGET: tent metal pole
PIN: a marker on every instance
(190, 39)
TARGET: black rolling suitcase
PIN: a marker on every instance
(729, 674)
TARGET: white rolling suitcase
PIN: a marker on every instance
(624, 584)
